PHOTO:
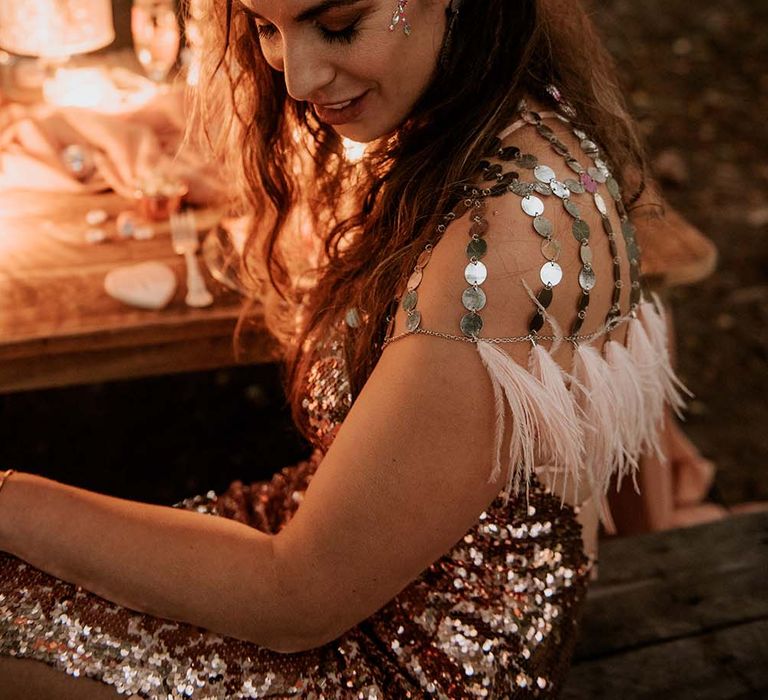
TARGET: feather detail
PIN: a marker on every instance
(596, 398)
(629, 406)
(544, 417)
(647, 361)
(655, 323)
(560, 433)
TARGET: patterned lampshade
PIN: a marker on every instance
(55, 28)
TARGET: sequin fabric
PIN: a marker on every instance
(495, 617)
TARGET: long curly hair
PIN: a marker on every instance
(330, 232)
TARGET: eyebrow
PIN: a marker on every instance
(311, 12)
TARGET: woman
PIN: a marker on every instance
(473, 359)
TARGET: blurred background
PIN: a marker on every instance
(697, 79)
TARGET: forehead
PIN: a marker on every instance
(296, 10)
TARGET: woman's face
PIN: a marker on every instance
(331, 51)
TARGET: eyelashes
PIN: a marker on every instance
(342, 36)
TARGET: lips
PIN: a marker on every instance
(341, 112)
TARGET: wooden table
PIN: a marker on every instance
(678, 614)
(59, 327)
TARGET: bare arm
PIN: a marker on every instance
(190, 567)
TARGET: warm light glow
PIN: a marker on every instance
(55, 28)
(98, 89)
(353, 150)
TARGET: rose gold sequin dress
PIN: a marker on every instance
(495, 617)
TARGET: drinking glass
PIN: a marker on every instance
(156, 36)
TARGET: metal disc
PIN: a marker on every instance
(589, 147)
(596, 174)
(471, 324)
(542, 226)
(559, 189)
(574, 165)
(543, 173)
(587, 278)
(475, 273)
(579, 134)
(585, 253)
(527, 161)
(541, 188)
(413, 320)
(551, 273)
(532, 205)
(520, 188)
(414, 280)
(477, 248)
(574, 186)
(410, 299)
(544, 297)
(473, 298)
(580, 229)
(572, 208)
(613, 188)
(600, 203)
(423, 259)
(550, 249)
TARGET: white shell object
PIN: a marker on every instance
(148, 285)
(95, 235)
(126, 223)
(96, 217)
(143, 232)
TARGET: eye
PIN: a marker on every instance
(345, 35)
(265, 31)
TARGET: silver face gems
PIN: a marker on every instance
(551, 273)
(543, 173)
(473, 298)
(574, 165)
(475, 273)
(541, 188)
(532, 205)
(471, 324)
(542, 226)
(585, 253)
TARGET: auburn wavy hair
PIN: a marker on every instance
(329, 232)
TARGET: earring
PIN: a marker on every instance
(399, 16)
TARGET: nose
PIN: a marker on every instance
(307, 71)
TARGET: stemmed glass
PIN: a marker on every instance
(156, 36)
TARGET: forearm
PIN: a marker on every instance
(186, 566)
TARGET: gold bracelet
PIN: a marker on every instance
(4, 475)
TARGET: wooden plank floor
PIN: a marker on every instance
(678, 614)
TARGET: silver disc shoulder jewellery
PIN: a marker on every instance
(562, 414)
